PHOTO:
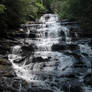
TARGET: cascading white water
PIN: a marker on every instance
(86, 49)
(50, 63)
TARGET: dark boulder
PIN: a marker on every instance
(4, 62)
(71, 86)
(88, 79)
(90, 43)
(40, 59)
(60, 47)
(28, 50)
(38, 90)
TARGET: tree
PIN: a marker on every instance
(13, 13)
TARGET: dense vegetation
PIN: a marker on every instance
(15, 12)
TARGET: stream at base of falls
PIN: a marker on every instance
(52, 57)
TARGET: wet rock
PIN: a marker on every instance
(58, 47)
(90, 43)
(32, 35)
(4, 49)
(9, 74)
(39, 90)
(88, 79)
(1, 89)
(40, 59)
(76, 54)
(6, 68)
(72, 89)
(67, 22)
(72, 47)
(73, 53)
(80, 64)
(4, 62)
(79, 68)
(10, 89)
(12, 85)
(17, 84)
(16, 34)
(71, 86)
(27, 49)
(69, 75)
(7, 71)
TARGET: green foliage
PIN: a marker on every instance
(15, 12)
(40, 6)
(79, 10)
(11, 16)
(2, 8)
(33, 9)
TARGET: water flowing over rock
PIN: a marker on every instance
(49, 57)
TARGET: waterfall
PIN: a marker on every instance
(43, 62)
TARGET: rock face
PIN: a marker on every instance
(51, 57)
(58, 47)
(88, 79)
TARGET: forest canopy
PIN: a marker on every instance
(15, 12)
